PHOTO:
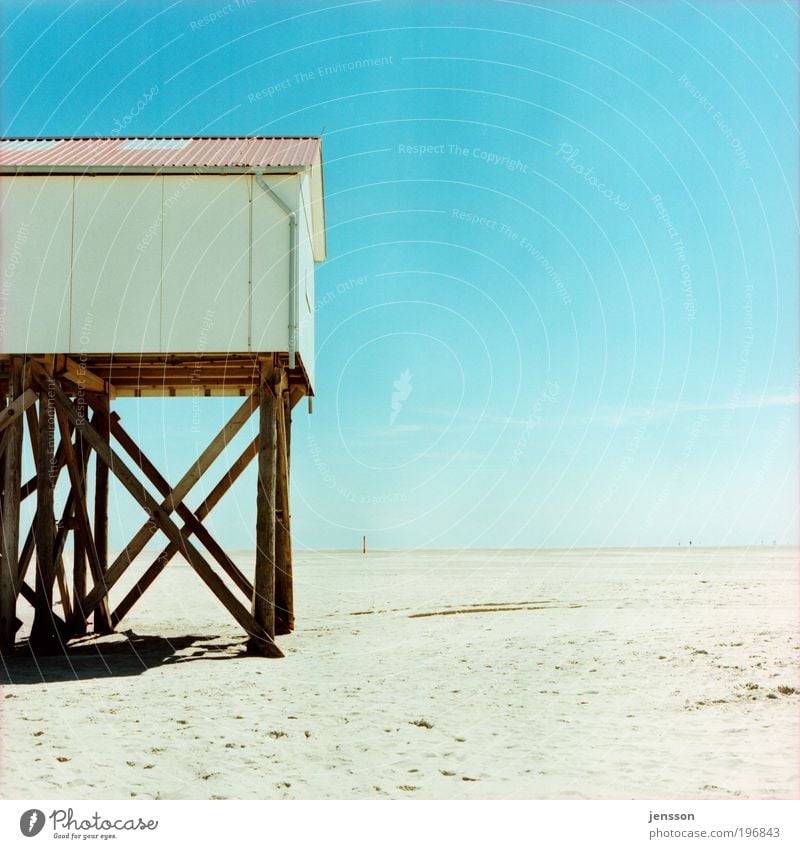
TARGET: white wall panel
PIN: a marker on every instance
(270, 296)
(206, 263)
(35, 251)
(116, 270)
(144, 263)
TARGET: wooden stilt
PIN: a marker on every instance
(79, 541)
(44, 636)
(264, 582)
(284, 591)
(9, 551)
(102, 618)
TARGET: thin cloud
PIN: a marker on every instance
(634, 414)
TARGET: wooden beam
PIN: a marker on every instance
(44, 636)
(159, 564)
(264, 596)
(181, 490)
(80, 538)
(158, 513)
(284, 589)
(77, 373)
(9, 530)
(17, 408)
(102, 617)
(219, 373)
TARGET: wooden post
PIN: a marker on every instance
(9, 554)
(284, 590)
(78, 622)
(264, 583)
(102, 621)
(44, 636)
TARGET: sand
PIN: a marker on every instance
(433, 675)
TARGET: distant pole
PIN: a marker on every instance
(363, 545)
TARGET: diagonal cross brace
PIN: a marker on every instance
(180, 491)
(192, 522)
(160, 563)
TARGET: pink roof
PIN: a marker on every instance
(216, 152)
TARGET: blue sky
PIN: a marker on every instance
(567, 232)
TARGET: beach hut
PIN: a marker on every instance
(149, 267)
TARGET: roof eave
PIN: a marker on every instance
(88, 170)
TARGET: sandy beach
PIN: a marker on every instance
(433, 675)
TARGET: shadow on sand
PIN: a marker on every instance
(127, 654)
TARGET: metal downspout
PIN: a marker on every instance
(293, 310)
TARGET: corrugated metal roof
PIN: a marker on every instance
(173, 152)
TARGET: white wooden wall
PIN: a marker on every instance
(150, 264)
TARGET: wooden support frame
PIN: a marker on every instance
(261, 641)
(64, 390)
